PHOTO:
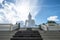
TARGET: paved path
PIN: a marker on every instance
(6, 35)
(50, 35)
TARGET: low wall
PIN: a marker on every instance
(54, 28)
(7, 27)
(44, 27)
(14, 27)
(51, 28)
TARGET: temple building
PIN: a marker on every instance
(30, 22)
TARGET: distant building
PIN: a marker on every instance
(30, 22)
(51, 26)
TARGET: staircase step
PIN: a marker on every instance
(27, 35)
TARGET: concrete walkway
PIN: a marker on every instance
(6, 35)
(50, 35)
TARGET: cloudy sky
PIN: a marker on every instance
(12, 11)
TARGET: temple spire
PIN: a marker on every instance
(29, 16)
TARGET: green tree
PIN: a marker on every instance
(40, 27)
(51, 22)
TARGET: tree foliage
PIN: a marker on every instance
(51, 22)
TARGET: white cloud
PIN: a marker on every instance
(20, 10)
(1, 1)
(53, 18)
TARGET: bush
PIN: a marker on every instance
(29, 28)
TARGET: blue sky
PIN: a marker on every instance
(18, 10)
(49, 8)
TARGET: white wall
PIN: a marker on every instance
(14, 27)
(54, 28)
(50, 28)
(44, 27)
(7, 27)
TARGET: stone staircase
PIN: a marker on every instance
(27, 35)
(50, 35)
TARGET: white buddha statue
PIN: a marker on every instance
(30, 22)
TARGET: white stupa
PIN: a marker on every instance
(30, 22)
